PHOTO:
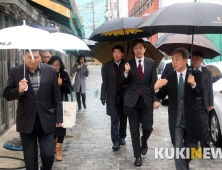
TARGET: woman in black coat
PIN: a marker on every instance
(65, 85)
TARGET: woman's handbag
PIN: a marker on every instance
(69, 112)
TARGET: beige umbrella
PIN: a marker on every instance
(103, 51)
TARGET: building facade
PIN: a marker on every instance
(70, 11)
(123, 8)
(142, 8)
(116, 9)
(112, 11)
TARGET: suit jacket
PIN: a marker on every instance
(109, 85)
(134, 85)
(48, 102)
(193, 121)
(168, 69)
(208, 88)
(80, 79)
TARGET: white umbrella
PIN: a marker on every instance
(24, 37)
(67, 42)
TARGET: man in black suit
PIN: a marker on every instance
(206, 102)
(140, 76)
(182, 88)
(168, 69)
(39, 109)
(112, 95)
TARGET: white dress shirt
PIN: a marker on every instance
(184, 75)
(142, 63)
(200, 68)
(178, 78)
(137, 64)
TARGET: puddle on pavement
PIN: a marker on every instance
(73, 137)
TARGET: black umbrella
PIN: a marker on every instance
(185, 18)
(121, 29)
(166, 36)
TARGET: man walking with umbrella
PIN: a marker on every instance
(140, 76)
(39, 109)
(182, 89)
(206, 101)
(112, 95)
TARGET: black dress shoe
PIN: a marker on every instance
(85, 107)
(42, 167)
(144, 147)
(122, 142)
(116, 147)
(138, 162)
(144, 151)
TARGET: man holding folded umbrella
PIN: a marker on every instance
(39, 109)
(140, 76)
(205, 102)
(112, 96)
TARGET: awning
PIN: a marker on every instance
(54, 17)
(64, 3)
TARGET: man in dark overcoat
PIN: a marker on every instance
(112, 93)
(206, 102)
(182, 88)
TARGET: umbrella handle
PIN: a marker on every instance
(24, 68)
(27, 85)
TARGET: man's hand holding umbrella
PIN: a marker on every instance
(22, 86)
(127, 68)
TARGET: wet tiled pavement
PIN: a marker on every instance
(90, 146)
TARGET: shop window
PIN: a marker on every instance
(141, 3)
(141, 11)
(148, 4)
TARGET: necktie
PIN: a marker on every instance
(140, 71)
(181, 84)
(198, 71)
